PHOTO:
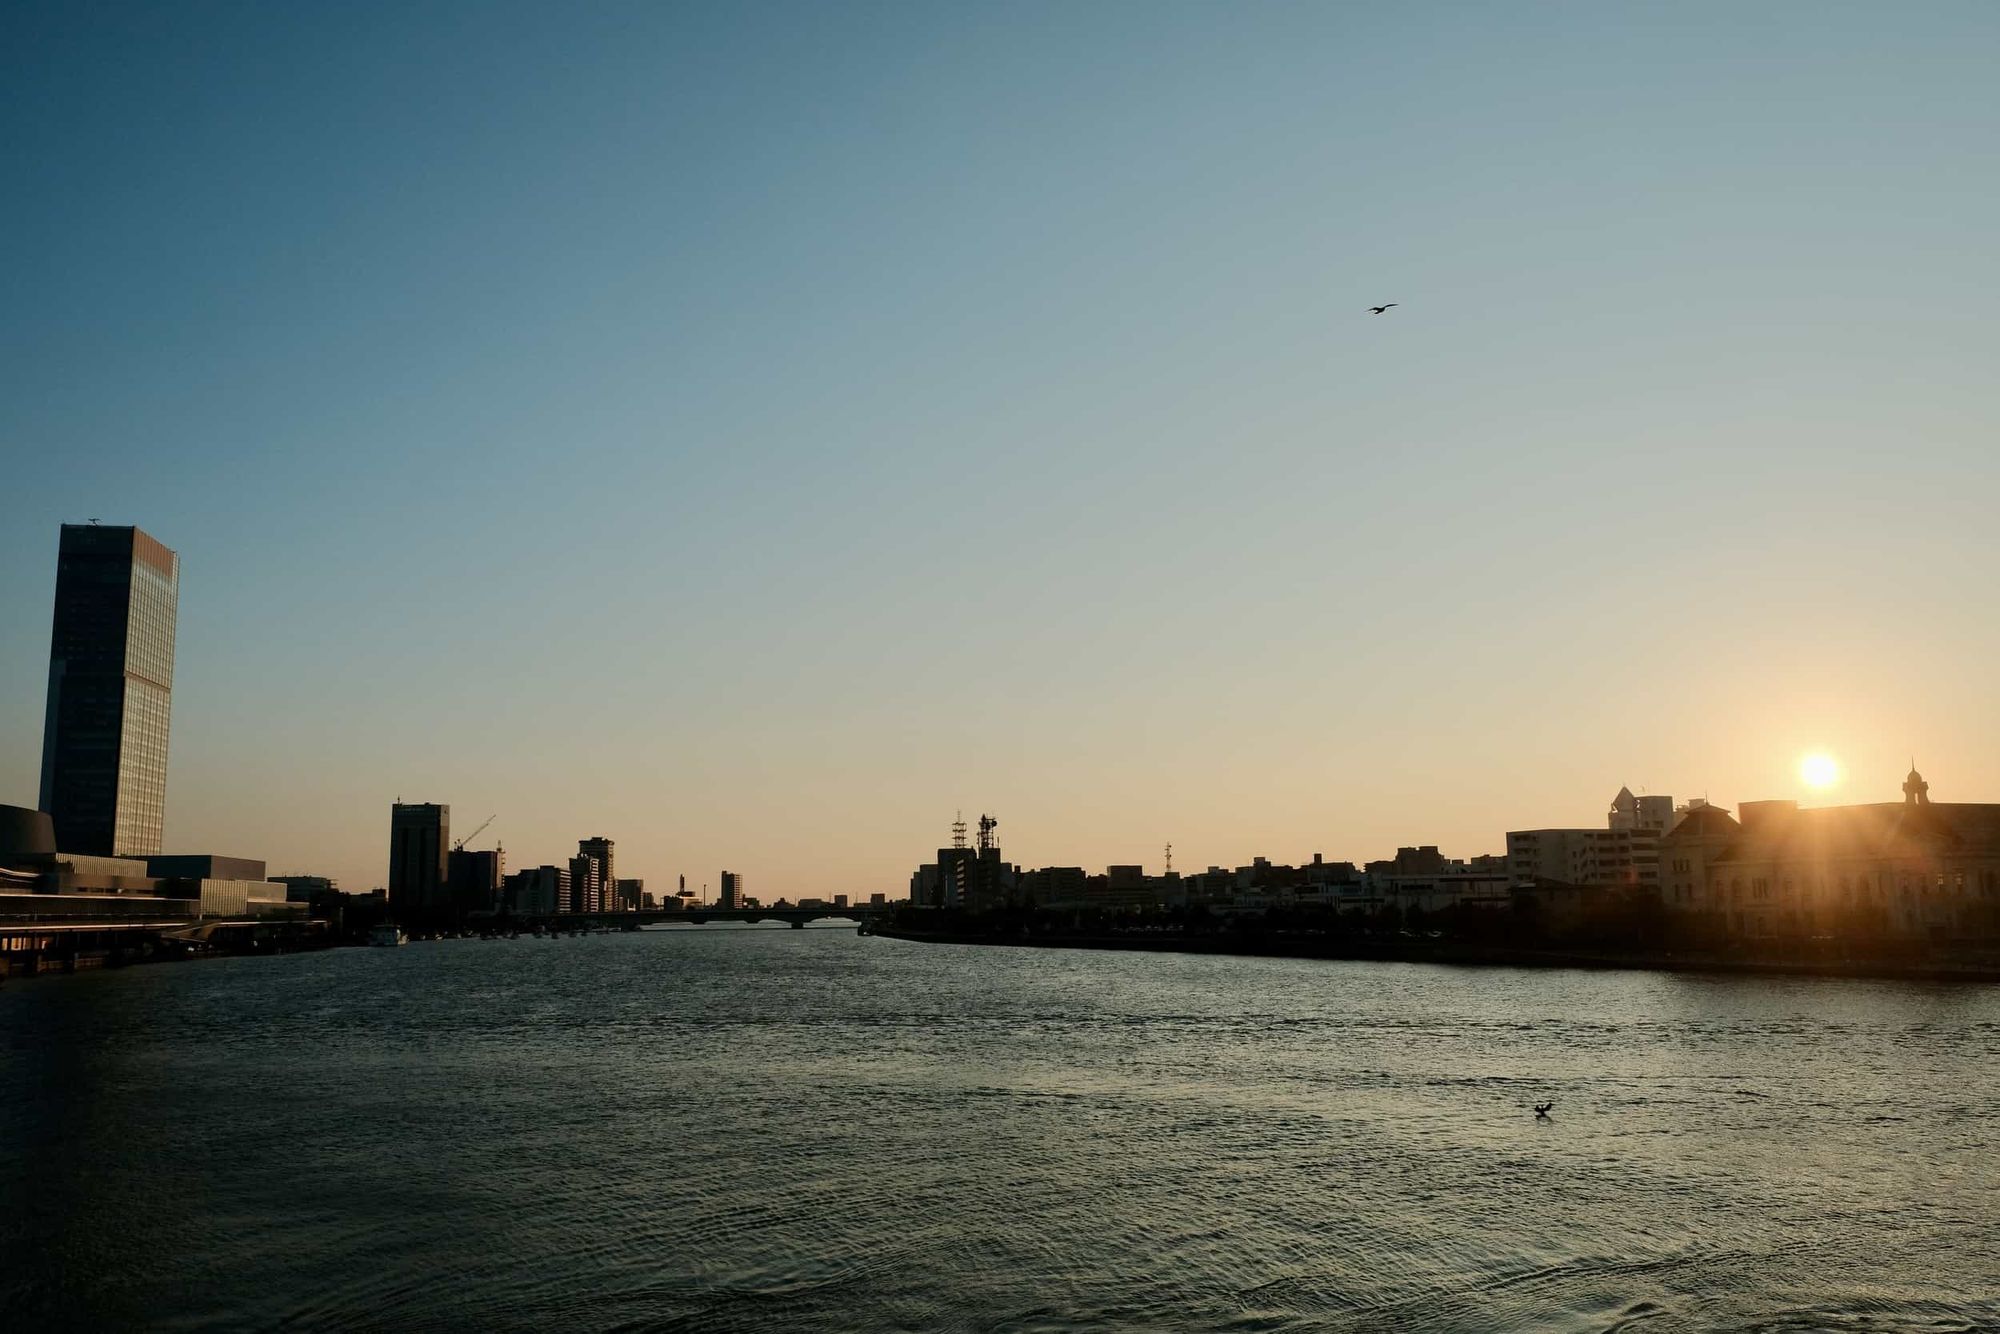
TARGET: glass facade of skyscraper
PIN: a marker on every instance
(111, 678)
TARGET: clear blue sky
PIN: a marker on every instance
(755, 432)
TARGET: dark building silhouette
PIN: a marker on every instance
(25, 834)
(307, 888)
(1054, 884)
(111, 679)
(604, 883)
(1425, 860)
(954, 878)
(965, 876)
(205, 866)
(538, 891)
(730, 897)
(419, 844)
(474, 878)
(1121, 887)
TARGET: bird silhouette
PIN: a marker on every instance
(1377, 310)
(1542, 1110)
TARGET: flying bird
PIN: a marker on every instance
(1542, 1110)
(1377, 310)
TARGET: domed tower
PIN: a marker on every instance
(1916, 792)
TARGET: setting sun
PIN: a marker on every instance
(1819, 770)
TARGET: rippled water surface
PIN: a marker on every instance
(720, 1129)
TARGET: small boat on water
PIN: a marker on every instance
(387, 934)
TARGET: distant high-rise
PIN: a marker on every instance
(599, 851)
(731, 895)
(111, 681)
(419, 849)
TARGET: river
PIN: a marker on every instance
(742, 1129)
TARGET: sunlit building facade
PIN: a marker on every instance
(1911, 870)
(111, 679)
(1625, 852)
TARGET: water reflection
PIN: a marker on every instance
(805, 1128)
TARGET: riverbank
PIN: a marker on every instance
(1479, 955)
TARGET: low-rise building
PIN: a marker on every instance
(1054, 887)
(538, 891)
(305, 888)
(1624, 852)
(1913, 870)
(236, 898)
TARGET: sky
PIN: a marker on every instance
(757, 433)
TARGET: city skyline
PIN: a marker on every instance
(922, 411)
(420, 831)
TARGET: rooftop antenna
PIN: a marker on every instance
(958, 831)
(987, 824)
(1170, 859)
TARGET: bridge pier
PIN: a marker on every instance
(798, 925)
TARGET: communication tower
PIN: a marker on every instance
(958, 831)
(987, 824)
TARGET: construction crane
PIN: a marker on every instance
(460, 845)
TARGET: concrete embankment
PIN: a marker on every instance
(1471, 954)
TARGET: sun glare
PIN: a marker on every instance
(1819, 770)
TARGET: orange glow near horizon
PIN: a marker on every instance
(1819, 771)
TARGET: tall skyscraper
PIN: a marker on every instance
(111, 681)
(419, 849)
(598, 849)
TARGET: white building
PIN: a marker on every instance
(1626, 851)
